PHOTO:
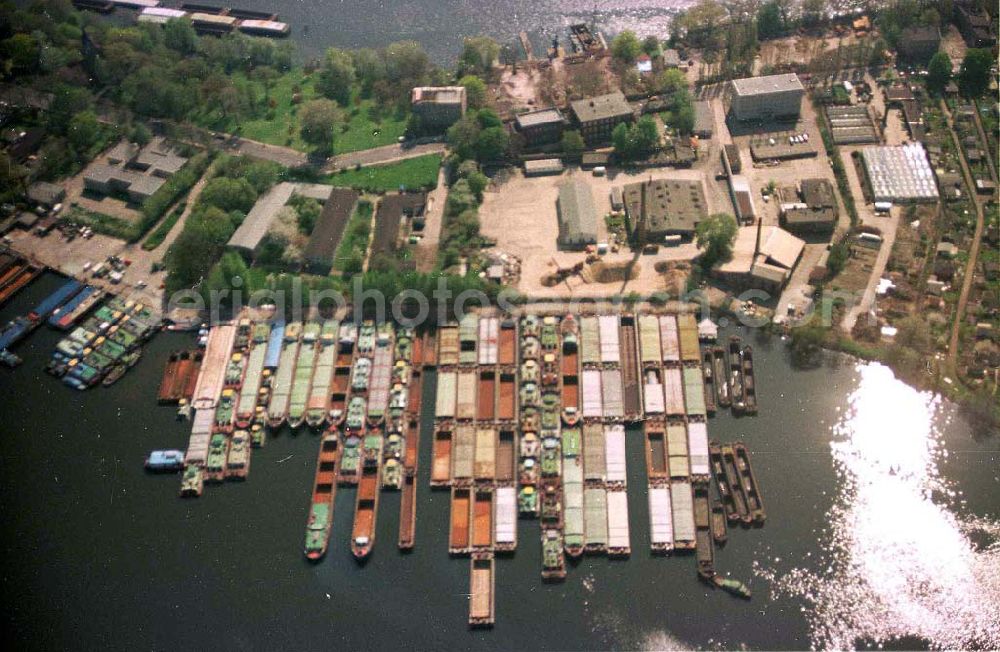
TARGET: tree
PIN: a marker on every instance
(626, 47)
(651, 46)
(140, 134)
(369, 68)
(682, 116)
(621, 139)
(938, 73)
(572, 143)
(462, 136)
(671, 81)
(770, 23)
(478, 54)
(407, 63)
(492, 143)
(84, 130)
(715, 236)
(913, 332)
(22, 53)
(469, 171)
(647, 135)
(228, 194)
(318, 120)
(475, 91)
(812, 11)
(336, 76)
(974, 75)
(179, 35)
(67, 101)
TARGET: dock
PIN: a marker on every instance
(213, 367)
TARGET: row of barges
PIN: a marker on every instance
(206, 19)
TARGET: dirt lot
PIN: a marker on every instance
(521, 216)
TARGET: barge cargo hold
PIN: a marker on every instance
(49, 306)
(595, 519)
(489, 335)
(755, 503)
(614, 447)
(682, 508)
(669, 342)
(302, 379)
(468, 331)
(326, 359)
(694, 392)
(574, 533)
(673, 391)
(68, 315)
(718, 523)
(459, 531)
(650, 353)
(749, 386)
(505, 519)
(508, 343)
(590, 341)
(611, 394)
(619, 544)
(463, 454)
(281, 385)
(481, 590)
(465, 408)
(656, 451)
(506, 468)
(721, 372)
(740, 503)
(595, 467)
(213, 367)
(631, 396)
(661, 526)
(507, 398)
(698, 451)
(708, 379)
(447, 346)
(179, 376)
(408, 502)
(446, 398)
(592, 401)
(736, 374)
(687, 330)
(323, 498)
(246, 404)
(487, 396)
(441, 462)
(485, 461)
(482, 519)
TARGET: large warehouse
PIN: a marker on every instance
(900, 173)
(765, 98)
(577, 215)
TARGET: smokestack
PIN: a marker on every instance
(760, 225)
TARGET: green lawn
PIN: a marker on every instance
(364, 127)
(413, 174)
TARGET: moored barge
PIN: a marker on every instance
(323, 497)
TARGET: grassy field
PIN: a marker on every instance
(101, 223)
(160, 234)
(350, 255)
(364, 127)
(413, 174)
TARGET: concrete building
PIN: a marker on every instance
(765, 98)
(438, 107)
(541, 167)
(598, 116)
(46, 194)
(576, 214)
(763, 259)
(541, 127)
(813, 211)
(918, 44)
(107, 179)
(133, 171)
(663, 207)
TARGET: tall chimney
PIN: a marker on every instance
(756, 249)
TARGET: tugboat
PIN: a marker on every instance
(734, 587)
(553, 557)
(238, 460)
(527, 501)
(192, 482)
(215, 464)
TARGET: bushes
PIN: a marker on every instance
(160, 234)
(838, 168)
(350, 256)
(176, 186)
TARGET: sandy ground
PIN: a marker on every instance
(521, 216)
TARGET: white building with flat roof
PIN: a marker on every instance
(765, 98)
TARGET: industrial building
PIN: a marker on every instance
(765, 98)
(662, 207)
(252, 231)
(541, 167)
(133, 171)
(598, 116)
(918, 44)
(577, 215)
(541, 127)
(974, 23)
(899, 173)
(438, 107)
(810, 209)
(763, 259)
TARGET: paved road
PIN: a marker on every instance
(970, 268)
(382, 155)
(426, 253)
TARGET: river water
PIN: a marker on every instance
(882, 525)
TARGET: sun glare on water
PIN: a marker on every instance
(900, 564)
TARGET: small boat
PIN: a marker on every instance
(735, 587)
(392, 475)
(553, 557)
(527, 501)
(238, 459)
(718, 523)
(165, 461)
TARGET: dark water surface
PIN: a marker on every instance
(98, 553)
